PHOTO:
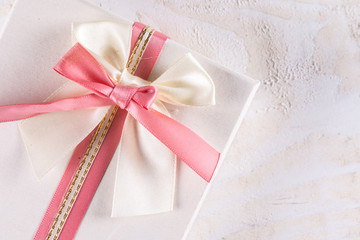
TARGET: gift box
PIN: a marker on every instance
(31, 45)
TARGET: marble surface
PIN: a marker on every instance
(293, 171)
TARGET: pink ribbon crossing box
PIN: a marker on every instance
(109, 129)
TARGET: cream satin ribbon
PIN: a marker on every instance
(145, 173)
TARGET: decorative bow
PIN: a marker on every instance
(145, 171)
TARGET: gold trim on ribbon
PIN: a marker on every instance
(59, 228)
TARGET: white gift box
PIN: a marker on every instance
(31, 45)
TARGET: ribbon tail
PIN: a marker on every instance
(16, 112)
(182, 141)
(145, 174)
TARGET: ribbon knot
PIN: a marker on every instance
(144, 96)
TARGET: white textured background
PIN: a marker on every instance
(293, 171)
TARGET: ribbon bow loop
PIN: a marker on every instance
(81, 67)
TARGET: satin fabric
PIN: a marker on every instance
(145, 167)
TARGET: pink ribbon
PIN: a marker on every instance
(80, 66)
